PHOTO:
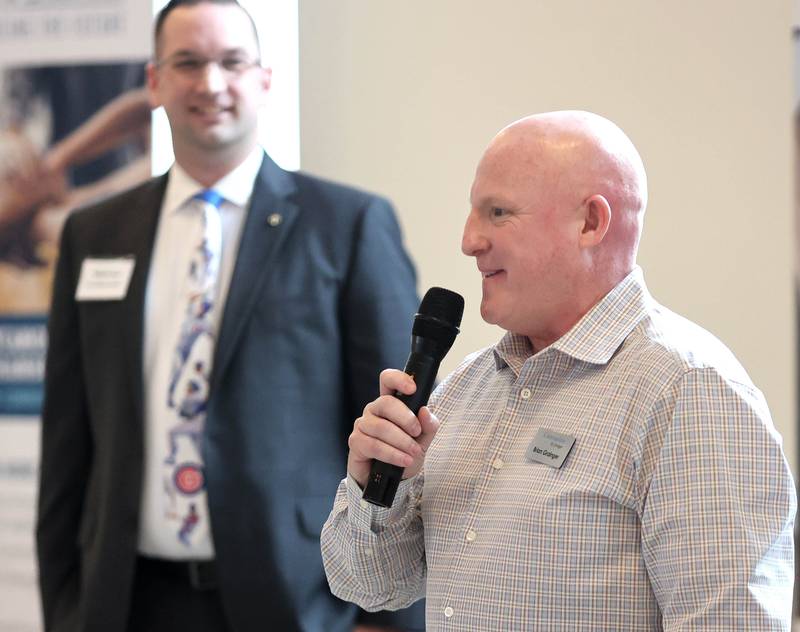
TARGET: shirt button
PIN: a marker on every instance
(367, 552)
(364, 504)
(498, 463)
(525, 393)
(448, 612)
(470, 536)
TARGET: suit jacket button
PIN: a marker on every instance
(274, 219)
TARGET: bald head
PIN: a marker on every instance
(557, 207)
(576, 155)
(580, 153)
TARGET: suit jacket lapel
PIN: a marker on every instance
(269, 220)
(141, 237)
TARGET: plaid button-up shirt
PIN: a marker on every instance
(674, 509)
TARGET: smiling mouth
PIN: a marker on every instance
(209, 110)
(487, 275)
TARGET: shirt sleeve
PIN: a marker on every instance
(717, 508)
(375, 557)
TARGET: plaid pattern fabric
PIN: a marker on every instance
(673, 511)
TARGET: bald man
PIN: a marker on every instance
(607, 465)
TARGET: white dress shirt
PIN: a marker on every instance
(180, 229)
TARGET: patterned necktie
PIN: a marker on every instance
(184, 480)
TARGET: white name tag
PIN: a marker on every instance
(104, 279)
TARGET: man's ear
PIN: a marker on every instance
(266, 82)
(596, 220)
(152, 85)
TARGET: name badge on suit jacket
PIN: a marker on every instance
(104, 279)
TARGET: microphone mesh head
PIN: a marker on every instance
(444, 305)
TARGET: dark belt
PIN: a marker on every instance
(199, 574)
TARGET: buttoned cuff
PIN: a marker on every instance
(368, 517)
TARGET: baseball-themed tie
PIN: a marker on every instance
(184, 481)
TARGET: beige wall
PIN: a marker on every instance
(401, 98)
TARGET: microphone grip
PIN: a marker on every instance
(423, 368)
(383, 477)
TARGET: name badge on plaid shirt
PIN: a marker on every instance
(550, 447)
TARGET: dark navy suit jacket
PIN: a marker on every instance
(319, 303)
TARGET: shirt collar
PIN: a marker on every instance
(595, 337)
(235, 187)
(512, 350)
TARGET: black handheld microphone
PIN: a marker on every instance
(434, 331)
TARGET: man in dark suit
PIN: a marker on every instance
(194, 347)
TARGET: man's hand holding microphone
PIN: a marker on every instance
(396, 429)
(388, 431)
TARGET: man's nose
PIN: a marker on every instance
(473, 240)
(212, 79)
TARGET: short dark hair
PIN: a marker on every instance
(175, 4)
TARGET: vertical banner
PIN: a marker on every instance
(76, 126)
(70, 70)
